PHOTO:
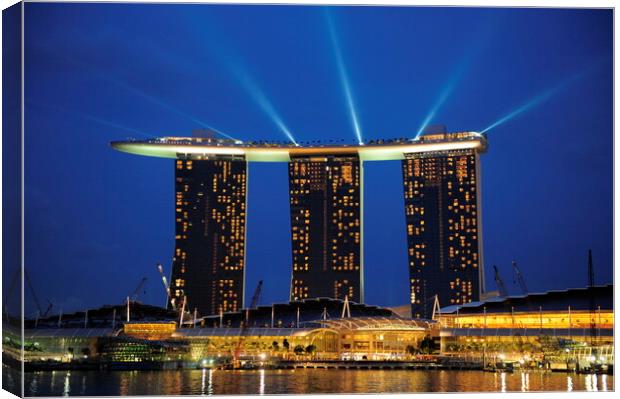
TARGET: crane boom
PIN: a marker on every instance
(136, 292)
(518, 276)
(160, 268)
(256, 296)
(34, 295)
(49, 308)
(244, 326)
(500, 283)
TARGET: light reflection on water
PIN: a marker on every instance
(66, 391)
(265, 382)
(503, 378)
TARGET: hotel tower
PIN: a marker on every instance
(326, 227)
(443, 219)
(210, 218)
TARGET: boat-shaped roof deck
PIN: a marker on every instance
(264, 151)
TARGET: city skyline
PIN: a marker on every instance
(547, 228)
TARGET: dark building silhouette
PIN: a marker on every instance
(209, 259)
(326, 227)
(442, 207)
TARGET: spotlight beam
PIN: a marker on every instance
(431, 114)
(263, 102)
(534, 101)
(470, 55)
(346, 87)
(90, 118)
(132, 90)
(523, 108)
(162, 104)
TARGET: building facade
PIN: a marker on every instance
(442, 208)
(326, 227)
(210, 213)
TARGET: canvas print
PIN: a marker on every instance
(235, 199)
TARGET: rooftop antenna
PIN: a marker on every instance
(85, 318)
(590, 269)
(128, 310)
(59, 317)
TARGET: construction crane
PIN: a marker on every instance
(244, 325)
(591, 297)
(517, 277)
(500, 283)
(50, 305)
(590, 269)
(160, 268)
(133, 297)
(34, 295)
(9, 292)
(256, 296)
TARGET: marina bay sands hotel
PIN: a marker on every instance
(441, 179)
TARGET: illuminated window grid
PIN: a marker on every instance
(210, 213)
(335, 183)
(454, 253)
(531, 319)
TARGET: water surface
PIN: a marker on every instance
(299, 381)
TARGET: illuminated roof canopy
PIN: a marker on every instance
(374, 323)
(376, 150)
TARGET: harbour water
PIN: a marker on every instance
(298, 381)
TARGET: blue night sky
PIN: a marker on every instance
(97, 220)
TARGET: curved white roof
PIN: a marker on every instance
(381, 150)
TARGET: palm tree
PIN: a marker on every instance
(298, 350)
(310, 349)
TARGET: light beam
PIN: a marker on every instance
(431, 114)
(162, 104)
(346, 87)
(263, 102)
(133, 90)
(533, 102)
(92, 118)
